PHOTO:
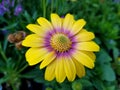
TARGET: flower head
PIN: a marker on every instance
(16, 38)
(6, 6)
(62, 46)
(3, 9)
(18, 10)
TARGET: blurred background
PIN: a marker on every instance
(103, 18)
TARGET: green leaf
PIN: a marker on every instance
(33, 73)
(103, 57)
(108, 73)
(98, 84)
(13, 25)
(111, 87)
(86, 83)
(27, 17)
(64, 86)
(3, 79)
(115, 53)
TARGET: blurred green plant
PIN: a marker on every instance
(102, 18)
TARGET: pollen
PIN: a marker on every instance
(60, 42)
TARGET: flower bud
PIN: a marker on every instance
(77, 85)
(17, 38)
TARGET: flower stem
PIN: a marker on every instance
(44, 8)
(23, 68)
(13, 87)
(57, 5)
(52, 5)
(2, 53)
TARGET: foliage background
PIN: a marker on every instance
(103, 18)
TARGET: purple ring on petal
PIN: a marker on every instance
(51, 33)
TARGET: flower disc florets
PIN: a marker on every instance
(60, 42)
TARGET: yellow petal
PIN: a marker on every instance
(50, 71)
(83, 59)
(33, 40)
(36, 29)
(78, 25)
(62, 19)
(80, 70)
(70, 69)
(87, 46)
(90, 54)
(85, 36)
(59, 71)
(68, 22)
(48, 59)
(35, 55)
(56, 21)
(83, 30)
(45, 24)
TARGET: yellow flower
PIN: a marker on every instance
(62, 46)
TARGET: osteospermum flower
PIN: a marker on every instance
(62, 46)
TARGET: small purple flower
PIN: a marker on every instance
(4, 7)
(5, 2)
(3, 10)
(18, 10)
(12, 3)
